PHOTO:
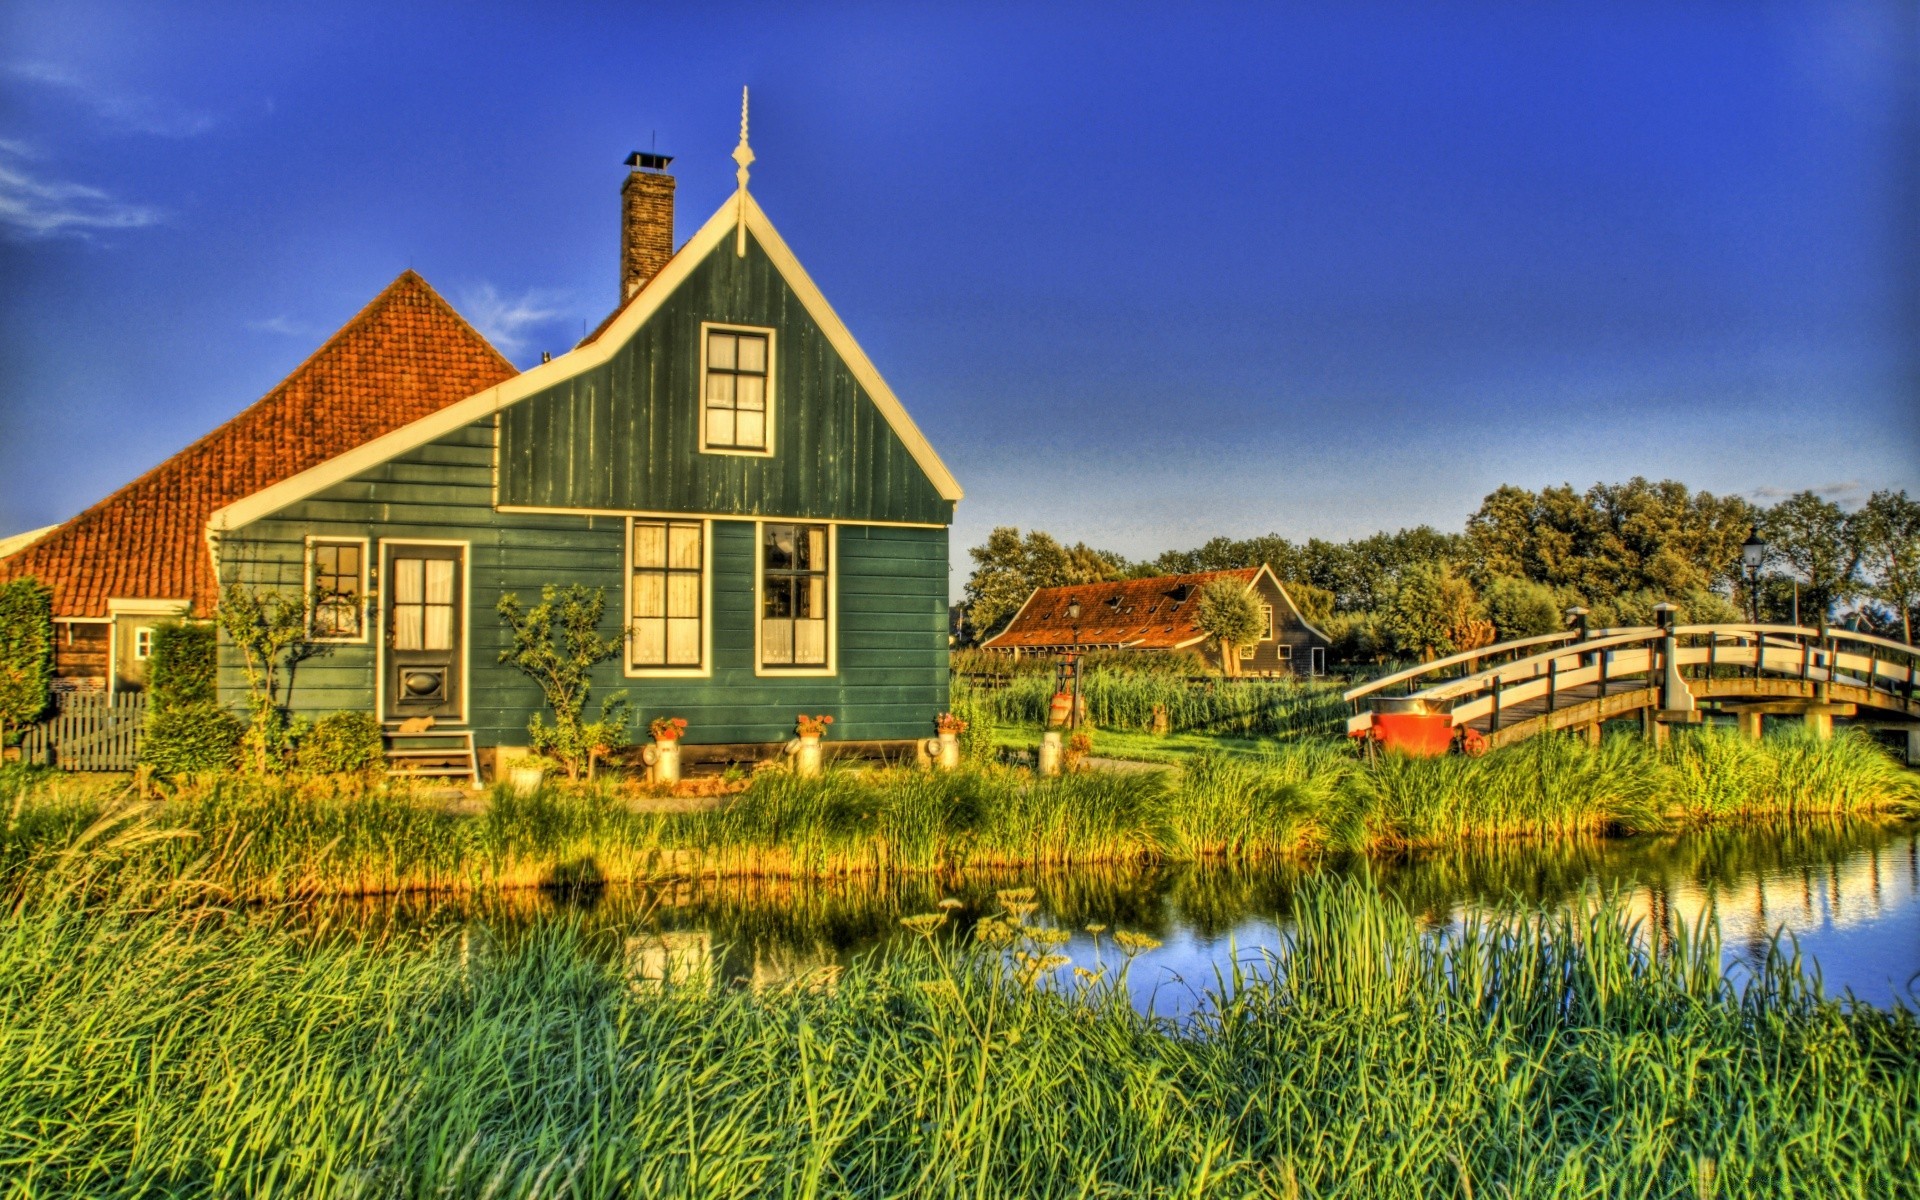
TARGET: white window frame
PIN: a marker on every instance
(311, 576)
(700, 407)
(1246, 651)
(1266, 610)
(142, 643)
(705, 669)
(760, 668)
(1285, 652)
(387, 547)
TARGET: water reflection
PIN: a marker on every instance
(1849, 891)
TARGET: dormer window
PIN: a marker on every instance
(736, 390)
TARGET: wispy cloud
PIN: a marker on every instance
(508, 321)
(127, 112)
(1845, 492)
(282, 324)
(34, 206)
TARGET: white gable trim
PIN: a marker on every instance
(644, 304)
(20, 541)
(1288, 597)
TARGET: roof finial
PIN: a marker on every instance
(742, 154)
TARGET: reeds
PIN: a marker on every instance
(155, 1043)
(289, 839)
(1126, 699)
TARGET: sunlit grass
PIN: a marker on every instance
(155, 1040)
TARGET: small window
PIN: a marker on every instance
(667, 603)
(1246, 652)
(143, 643)
(793, 595)
(1266, 616)
(735, 409)
(339, 590)
(1284, 651)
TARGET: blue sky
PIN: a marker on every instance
(1143, 274)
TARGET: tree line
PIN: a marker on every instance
(1523, 559)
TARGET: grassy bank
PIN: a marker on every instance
(266, 840)
(154, 1044)
(1125, 700)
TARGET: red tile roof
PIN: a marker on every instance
(405, 355)
(1145, 614)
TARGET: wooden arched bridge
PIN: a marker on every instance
(1510, 691)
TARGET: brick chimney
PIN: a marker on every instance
(646, 221)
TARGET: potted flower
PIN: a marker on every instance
(664, 755)
(806, 761)
(526, 773)
(950, 728)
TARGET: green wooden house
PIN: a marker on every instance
(720, 456)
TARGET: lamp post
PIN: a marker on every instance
(1073, 615)
(1753, 552)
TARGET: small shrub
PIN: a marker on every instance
(342, 743)
(189, 738)
(184, 665)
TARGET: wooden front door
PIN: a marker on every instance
(425, 632)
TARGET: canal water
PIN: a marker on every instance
(1847, 892)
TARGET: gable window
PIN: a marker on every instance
(666, 606)
(736, 390)
(338, 575)
(1266, 618)
(794, 595)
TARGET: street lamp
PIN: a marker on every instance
(1073, 615)
(1753, 553)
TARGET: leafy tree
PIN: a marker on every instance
(557, 643)
(26, 654)
(1007, 568)
(269, 629)
(1889, 536)
(1817, 544)
(1522, 608)
(1314, 603)
(1434, 612)
(183, 665)
(1228, 613)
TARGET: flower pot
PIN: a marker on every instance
(949, 756)
(806, 758)
(666, 760)
(526, 778)
(1050, 752)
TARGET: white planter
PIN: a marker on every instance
(806, 759)
(1050, 753)
(666, 761)
(525, 780)
(949, 756)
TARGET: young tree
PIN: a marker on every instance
(269, 629)
(1521, 608)
(557, 643)
(1228, 613)
(1889, 532)
(26, 653)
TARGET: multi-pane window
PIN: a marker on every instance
(665, 612)
(339, 573)
(423, 603)
(793, 595)
(1266, 619)
(735, 391)
(143, 643)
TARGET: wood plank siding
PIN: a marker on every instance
(890, 588)
(625, 436)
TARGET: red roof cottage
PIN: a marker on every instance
(141, 554)
(1158, 614)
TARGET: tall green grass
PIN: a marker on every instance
(1127, 699)
(153, 1043)
(317, 837)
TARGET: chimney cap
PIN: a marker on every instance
(643, 160)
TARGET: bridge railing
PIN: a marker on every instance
(1602, 662)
